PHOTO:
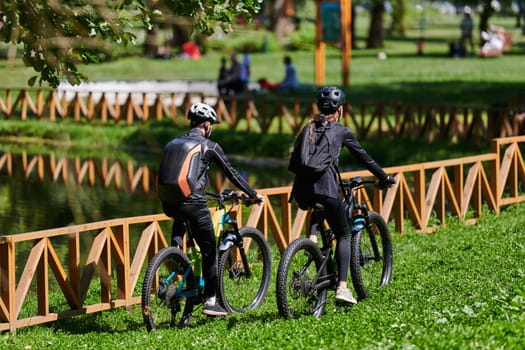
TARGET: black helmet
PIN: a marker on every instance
(201, 112)
(329, 99)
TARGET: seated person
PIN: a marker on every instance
(290, 78)
(233, 83)
(190, 51)
(493, 43)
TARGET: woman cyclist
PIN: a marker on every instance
(324, 188)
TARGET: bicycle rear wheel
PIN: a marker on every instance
(371, 256)
(298, 291)
(238, 291)
(163, 282)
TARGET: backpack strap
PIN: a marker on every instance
(329, 133)
(339, 177)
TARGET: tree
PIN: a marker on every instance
(57, 36)
(280, 16)
(398, 24)
(375, 31)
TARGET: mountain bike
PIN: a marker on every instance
(306, 271)
(173, 283)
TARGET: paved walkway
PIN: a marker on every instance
(137, 89)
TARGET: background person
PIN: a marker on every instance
(324, 188)
(245, 69)
(194, 209)
(232, 84)
(466, 26)
(493, 42)
(223, 74)
(289, 81)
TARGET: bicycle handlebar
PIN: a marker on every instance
(232, 196)
(357, 182)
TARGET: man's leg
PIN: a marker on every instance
(201, 226)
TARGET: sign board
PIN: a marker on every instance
(331, 19)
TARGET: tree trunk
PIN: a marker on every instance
(280, 14)
(398, 24)
(375, 32)
(150, 43)
(181, 32)
(485, 15)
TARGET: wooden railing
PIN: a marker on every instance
(261, 113)
(427, 194)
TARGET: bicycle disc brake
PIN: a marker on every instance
(237, 270)
(301, 285)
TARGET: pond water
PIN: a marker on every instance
(28, 203)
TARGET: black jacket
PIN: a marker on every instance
(212, 152)
(327, 184)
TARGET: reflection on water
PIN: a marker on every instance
(30, 203)
(30, 206)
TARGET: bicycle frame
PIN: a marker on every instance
(307, 270)
(227, 236)
(357, 214)
(174, 278)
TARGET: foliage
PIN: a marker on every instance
(207, 14)
(241, 40)
(459, 288)
(57, 36)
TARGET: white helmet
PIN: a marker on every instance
(201, 112)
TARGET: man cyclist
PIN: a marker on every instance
(194, 208)
(324, 188)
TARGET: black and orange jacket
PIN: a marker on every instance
(210, 152)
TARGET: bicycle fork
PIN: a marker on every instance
(360, 223)
(232, 237)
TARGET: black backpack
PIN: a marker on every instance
(313, 155)
(179, 170)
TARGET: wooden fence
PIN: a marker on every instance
(261, 113)
(427, 194)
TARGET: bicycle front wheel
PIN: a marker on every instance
(299, 288)
(166, 290)
(243, 281)
(371, 256)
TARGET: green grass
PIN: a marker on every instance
(144, 142)
(459, 288)
(402, 77)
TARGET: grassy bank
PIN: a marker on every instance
(144, 142)
(459, 288)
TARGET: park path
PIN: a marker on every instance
(113, 88)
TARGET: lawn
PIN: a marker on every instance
(402, 77)
(459, 288)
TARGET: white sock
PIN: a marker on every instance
(210, 301)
